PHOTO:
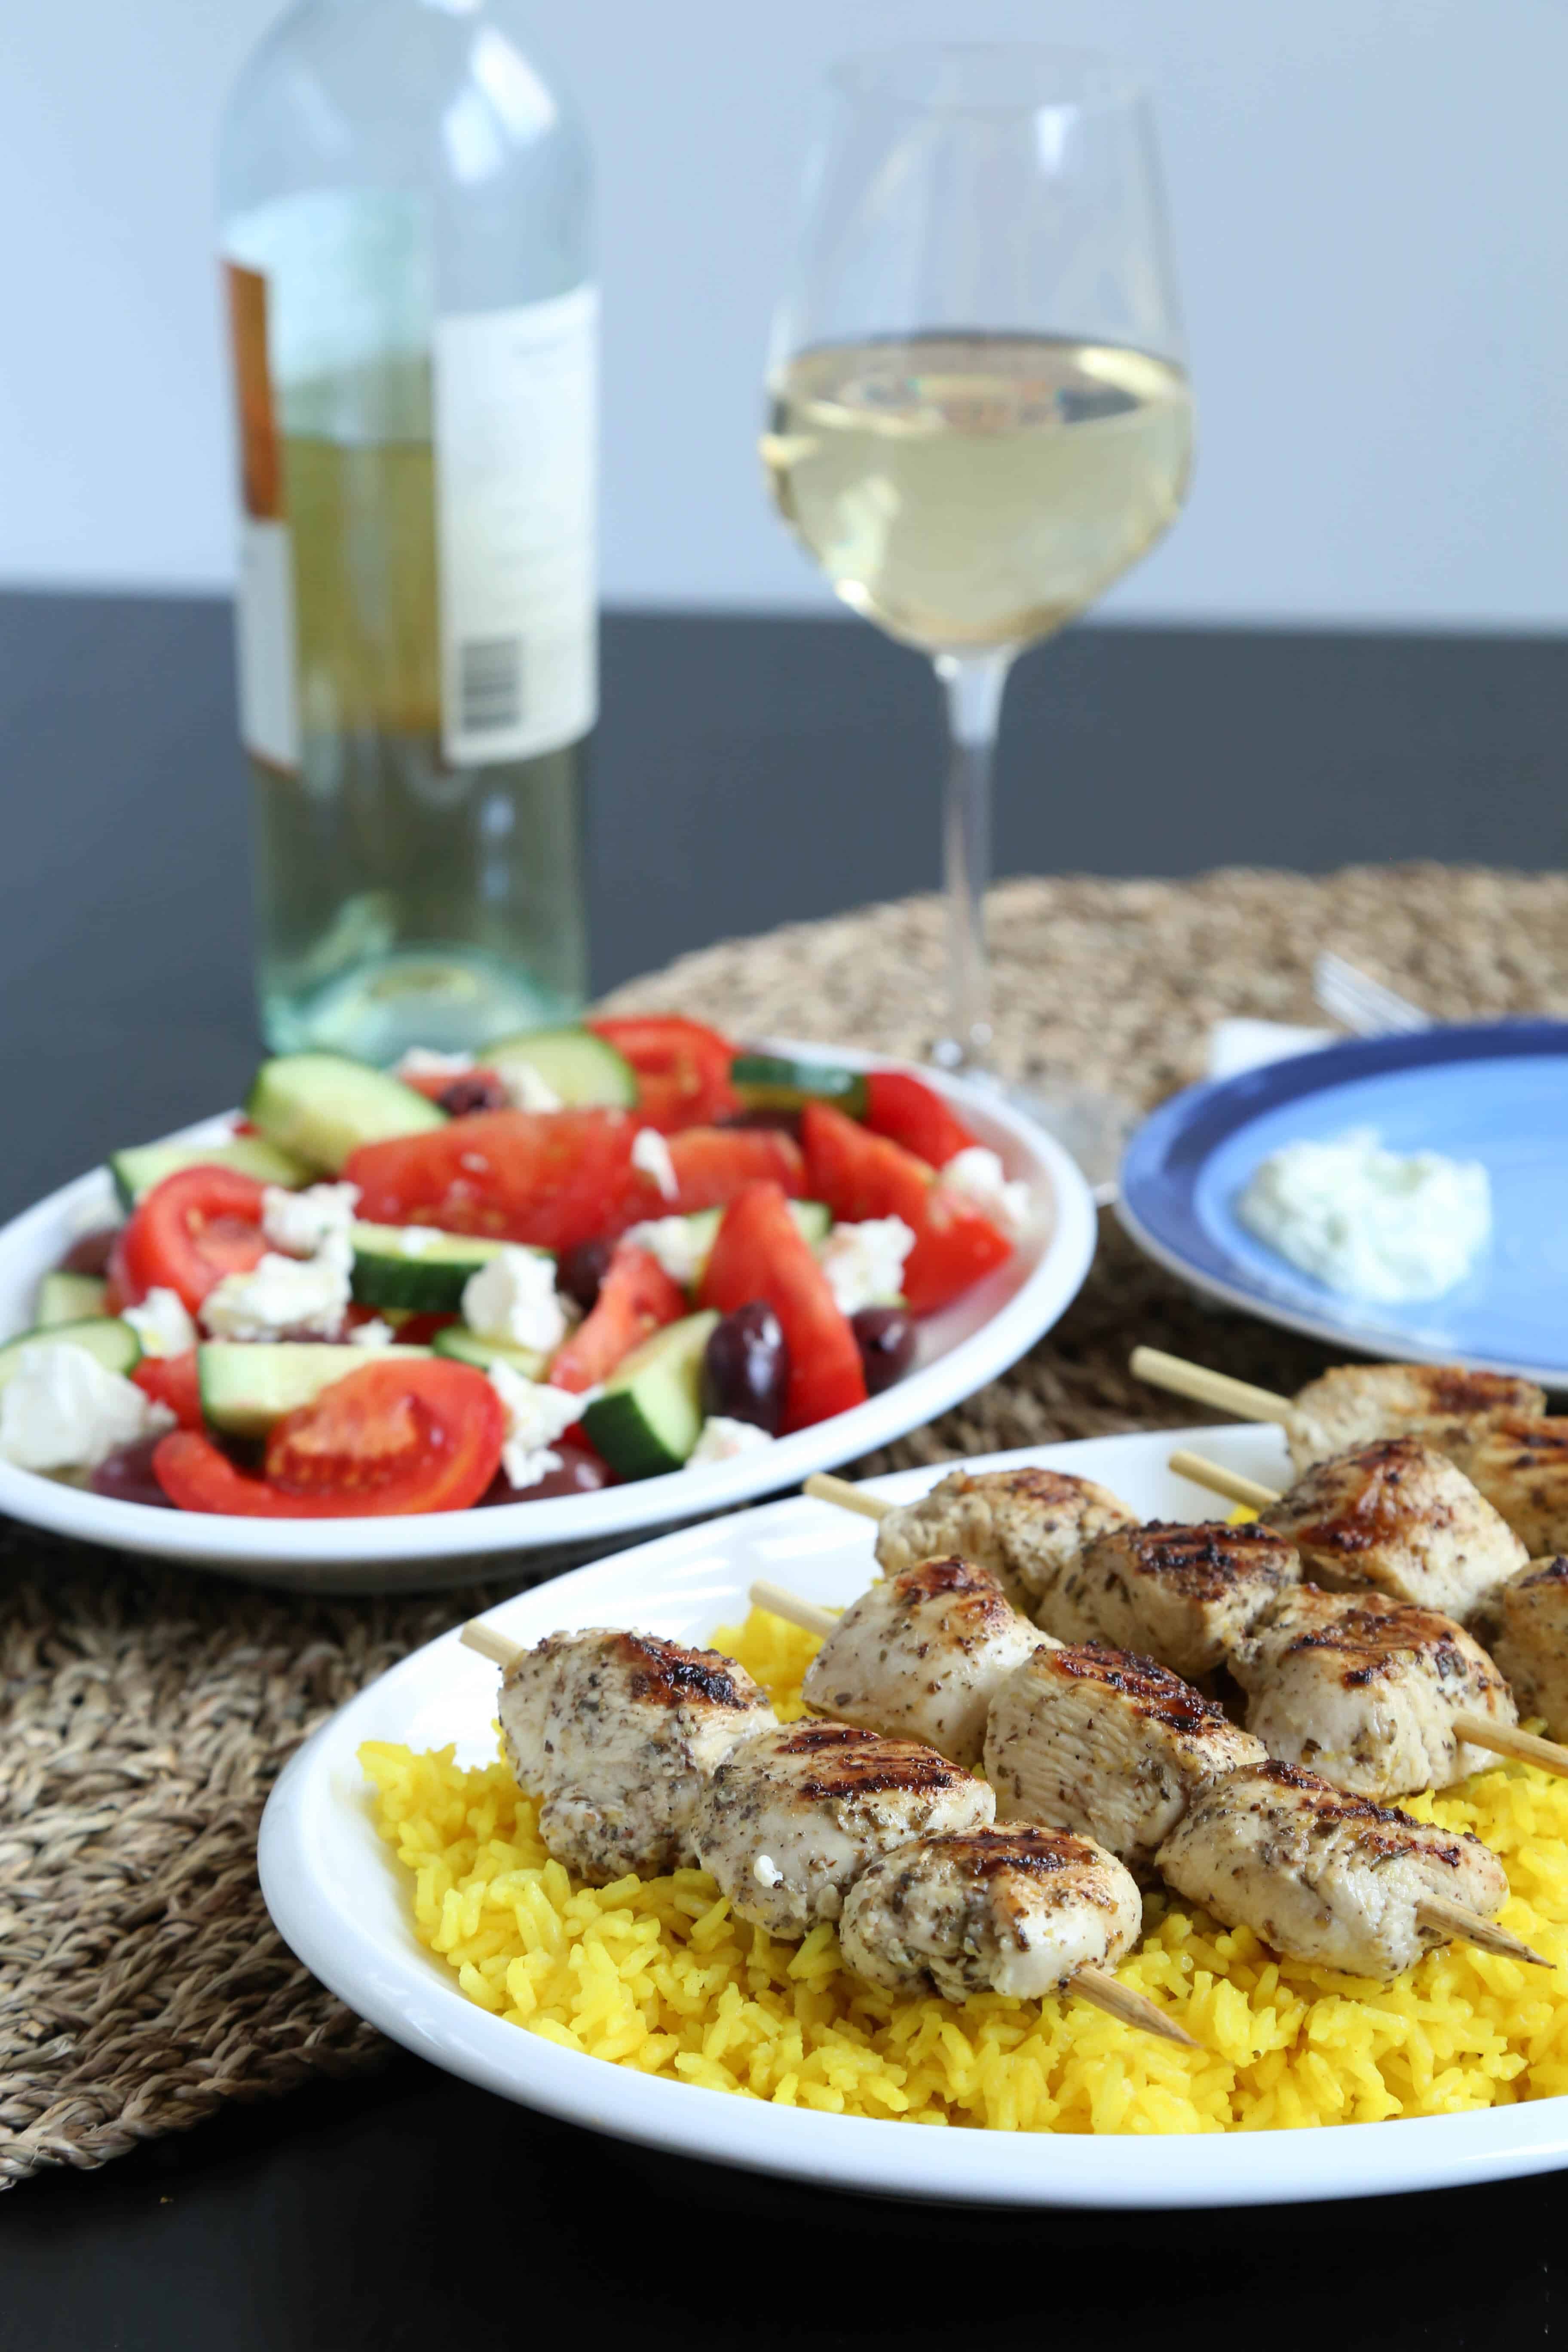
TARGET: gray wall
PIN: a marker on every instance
(1368, 213)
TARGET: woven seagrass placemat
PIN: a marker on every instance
(147, 1712)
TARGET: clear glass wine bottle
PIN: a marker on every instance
(407, 241)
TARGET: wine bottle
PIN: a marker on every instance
(407, 210)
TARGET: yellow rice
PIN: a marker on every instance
(658, 1975)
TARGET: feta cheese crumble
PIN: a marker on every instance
(279, 1296)
(374, 1334)
(865, 1263)
(1368, 1222)
(724, 1440)
(536, 1415)
(650, 1153)
(62, 1410)
(766, 1872)
(310, 1224)
(424, 1062)
(162, 1324)
(978, 1175)
(514, 1299)
(673, 1243)
(525, 1089)
(418, 1241)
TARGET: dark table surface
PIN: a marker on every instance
(748, 771)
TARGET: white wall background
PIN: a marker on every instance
(1371, 219)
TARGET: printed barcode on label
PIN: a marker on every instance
(489, 684)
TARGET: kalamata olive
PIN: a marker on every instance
(886, 1339)
(126, 1474)
(580, 1472)
(746, 1367)
(476, 1090)
(582, 1270)
(786, 1123)
(90, 1254)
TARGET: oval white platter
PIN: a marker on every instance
(341, 1901)
(969, 1343)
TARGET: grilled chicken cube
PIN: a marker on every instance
(1402, 1520)
(1520, 1463)
(1182, 1594)
(1324, 1876)
(1107, 1743)
(1525, 1626)
(921, 1655)
(617, 1734)
(1355, 1404)
(1025, 1526)
(1017, 1911)
(789, 1821)
(1364, 1690)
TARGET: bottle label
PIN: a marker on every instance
(264, 599)
(515, 435)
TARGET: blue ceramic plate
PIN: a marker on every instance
(1497, 1093)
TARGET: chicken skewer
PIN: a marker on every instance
(1098, 1740)
(1491, 1425)
(1478, 1730)
(646, 1755)
(1198, 1597)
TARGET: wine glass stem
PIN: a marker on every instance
(974, 684)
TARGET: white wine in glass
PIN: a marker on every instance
(979, 414)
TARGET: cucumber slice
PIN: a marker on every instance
(247, 1385)
(71, 1298)
(114, 1344)
(393, 1270)
(576, 1063)
(814, 1218)
(145, 1164)
(322, 1106)
(649, 1418)
(771, 1082)
(468, 1348)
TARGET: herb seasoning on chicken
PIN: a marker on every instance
(1402, 1520)
(1364, 1690)
(616, 1733)
(1014, 1911)
(1025, 1526)
(1182, 1594)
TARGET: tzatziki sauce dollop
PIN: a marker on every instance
(1370, 1222)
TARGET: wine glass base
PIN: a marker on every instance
(1091, 1126)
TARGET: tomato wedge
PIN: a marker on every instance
(385, 1439)
(863, 1175)
(635, 1297)
(172, 1380)
(186, 1233)
(712, 1164)
(551, 1178)
(682, 1068)
(759, 1253)
(908, 1111)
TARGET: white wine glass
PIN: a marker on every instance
(978, 408)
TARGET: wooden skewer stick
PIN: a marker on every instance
(1455, 1924)
(1507, 1739)
(1103, 1990)
(1195, 1381)
(477, 1635)
(779, 1602)
(1117, 2001)
(846, 1494)
(1221, 1481)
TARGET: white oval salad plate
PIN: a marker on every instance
(341, 1901)
(968, 1343)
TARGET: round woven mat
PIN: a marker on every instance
(148, 1711)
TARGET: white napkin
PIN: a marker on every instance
(1242, 1044)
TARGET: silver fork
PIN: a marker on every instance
(1361, 1004)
